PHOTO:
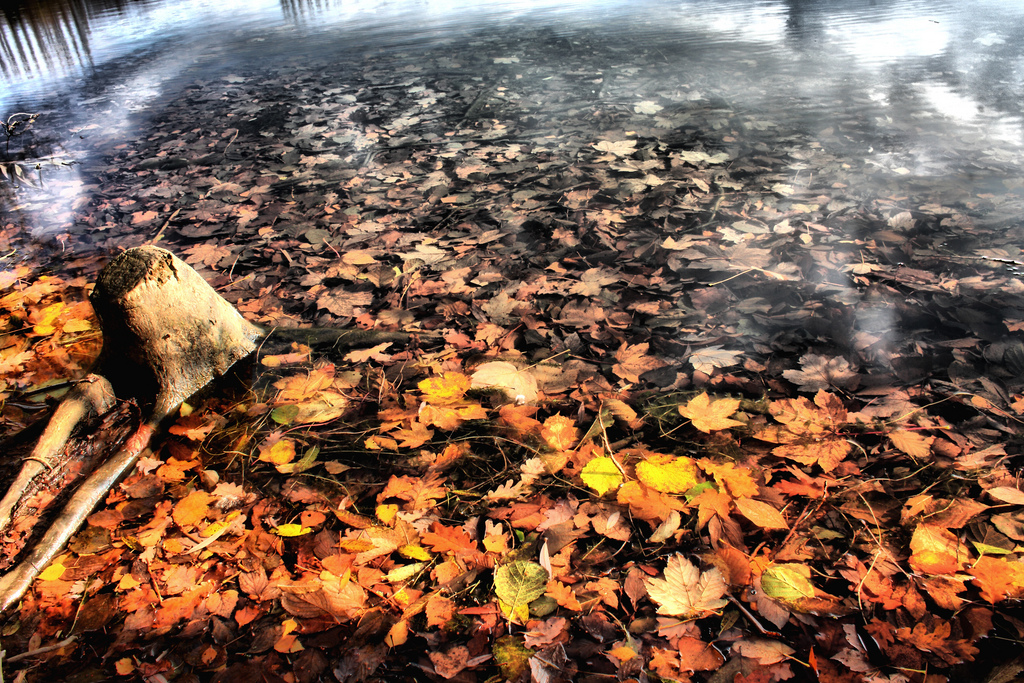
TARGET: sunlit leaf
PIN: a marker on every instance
(707, 415)
(602, 475)
(687, 592)
(761, 514)
(517, 584)
(668, 473)
(447, 389)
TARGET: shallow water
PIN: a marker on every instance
(840, 158)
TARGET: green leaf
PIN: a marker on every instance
(602, 475)
(786, 583)
(284, 414)
(304, 463)
(517, 584)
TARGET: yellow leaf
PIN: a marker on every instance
(448, 388)
(914, 444)
(53, 572)
(279, 452)
(288, 530)
(708, 416)
(667, 473)
(602, 475)
(937, 550)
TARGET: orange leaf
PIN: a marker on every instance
(696, 655)
(736, 480)
(936, 550)
(277, 452)
(914, 444)
(559, 433)
(443, 539)
(998, 578)
(761, 514)
(708, 416)
(827, 453)
(191, 509)
(633, 361)
(440, 610)
(563, 595)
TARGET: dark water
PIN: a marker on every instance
(874, 144)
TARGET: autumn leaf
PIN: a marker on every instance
(998, 578)
(559, 432)
(707, 359)
(821, 372)
(787, 583)
(602, 475)
(765, 652)
(277, 451)
(667, 473)
(761, 514)
(687, 592)
(633, 361)
(446, 389)
(519, 385)
(738, 481)
(914, 444)
(937, 550)
(191, 509)
(707, 415)
(517, 584)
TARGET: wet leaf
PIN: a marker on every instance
(708, 416)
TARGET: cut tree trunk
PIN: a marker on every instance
(166, 335)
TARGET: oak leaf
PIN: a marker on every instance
(707, 415)
(686, 591)
(998, 578)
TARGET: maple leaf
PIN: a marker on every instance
(826, 453)
(707, 415)
(449, 388)
(821, 372)
(738, 481)
(667, 473)
(633, 361)
(686, 591)
(707, 359)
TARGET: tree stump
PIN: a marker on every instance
(166, 335)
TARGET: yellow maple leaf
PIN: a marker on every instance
(448, 388)
(667, 473)
(707, 415)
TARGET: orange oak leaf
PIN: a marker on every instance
(442, 539)
(563, 595)
(998, 578)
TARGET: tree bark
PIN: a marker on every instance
(166, 335)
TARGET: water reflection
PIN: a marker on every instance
(44, 38)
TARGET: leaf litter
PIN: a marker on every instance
(675, 408)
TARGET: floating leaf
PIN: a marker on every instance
(707, 359)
